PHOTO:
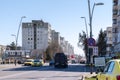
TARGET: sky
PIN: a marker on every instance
(63, 15)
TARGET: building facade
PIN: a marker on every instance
(116, 26)
(109, 41)
(36, 36)
(114, 20)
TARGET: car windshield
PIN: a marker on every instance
(36, 60)
(29, 61)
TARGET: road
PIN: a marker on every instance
(73, 72)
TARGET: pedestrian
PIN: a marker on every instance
(15, 62)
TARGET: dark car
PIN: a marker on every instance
(51, 63)
(60, 60)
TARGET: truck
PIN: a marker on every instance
(60, 60)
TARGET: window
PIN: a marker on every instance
(114, 21)
(109, 67)
(115, 3)
(115, 12)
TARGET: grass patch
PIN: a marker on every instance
(90, 78)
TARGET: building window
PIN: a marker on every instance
(118, 23)
(28, 42)
(114, 30)
(114, 21)
(115, 3)
(115, 12)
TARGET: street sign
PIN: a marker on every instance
(95, 50)
(91, 42)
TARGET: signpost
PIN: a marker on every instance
(91, 42)
(92, 50)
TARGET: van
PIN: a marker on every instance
(60, 60)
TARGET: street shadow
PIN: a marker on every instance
(71, 68)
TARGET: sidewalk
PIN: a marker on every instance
(85, 75)
(88, 75)
(9, 65)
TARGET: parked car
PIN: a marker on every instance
(60, 60)
(37, 62)
(28, 62)
(51, 63)
(111, 71)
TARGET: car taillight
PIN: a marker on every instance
(118, 77)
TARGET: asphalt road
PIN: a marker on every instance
(73, 72)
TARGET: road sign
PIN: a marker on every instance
(91, 42)
(95, 50)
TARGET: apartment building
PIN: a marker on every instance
(36, 36)
(64, 46)
(109, 41)
(116, 26)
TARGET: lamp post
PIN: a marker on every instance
(85, 25)
(87, 52)
(90, 20)
(15, 49)
(91, 14)
(16, 38)
(19, 30)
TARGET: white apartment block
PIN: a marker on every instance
(55, 37)
(109, 40)
(116, 26)
(36, 35)
(64, 45)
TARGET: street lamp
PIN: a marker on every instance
(15, 49)
(16, 38)
(85, 25)
(90, 20)
(19, 30)
(87, 53)
(91, 14)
